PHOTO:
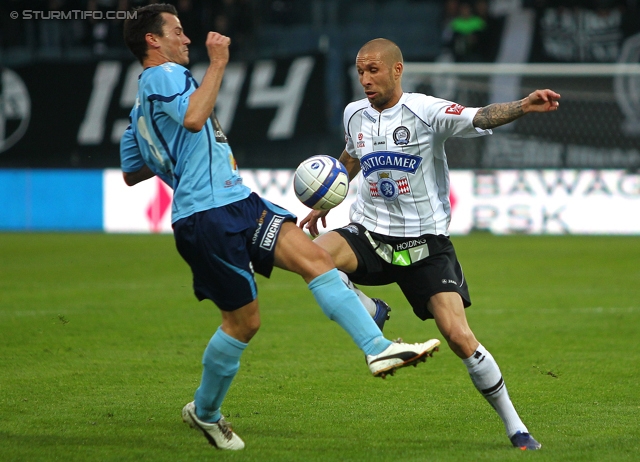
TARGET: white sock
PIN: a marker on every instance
(369, 304)
(487, 378)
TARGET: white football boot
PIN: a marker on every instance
(399, 355)
(219, 434)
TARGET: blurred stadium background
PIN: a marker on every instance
(68, 84)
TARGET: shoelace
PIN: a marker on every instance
(226, 429)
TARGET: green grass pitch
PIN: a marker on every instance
(101, 340)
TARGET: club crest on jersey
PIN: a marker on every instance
(401, 136)
(455, 109)
(388, 188)
(389, 160)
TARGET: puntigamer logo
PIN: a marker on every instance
(389, 160)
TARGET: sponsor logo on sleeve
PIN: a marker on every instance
(455, 109)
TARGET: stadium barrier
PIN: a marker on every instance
(499, 201)
(51, 200)
(271, 108)
(275, 112)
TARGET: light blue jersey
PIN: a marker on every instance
(200, 166)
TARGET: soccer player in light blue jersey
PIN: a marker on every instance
(224, 231)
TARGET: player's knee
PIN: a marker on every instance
(251, 327)
(459, 336)
(251, 332)
(324, 259)
(322, 263)
(242, 329)
(317, 261)
(246, 332)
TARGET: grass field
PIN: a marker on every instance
(101, 340)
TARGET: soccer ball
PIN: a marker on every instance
(321, 182)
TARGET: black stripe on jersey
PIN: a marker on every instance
(352, 116)
(417, 116)
(210, 154)
(165, 146)
(188, 79)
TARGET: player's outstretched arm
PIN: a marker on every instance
(311, 221)
(497, 114)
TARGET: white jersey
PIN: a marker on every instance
(404, 188)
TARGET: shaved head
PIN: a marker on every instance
(379, 64)
(387, 51)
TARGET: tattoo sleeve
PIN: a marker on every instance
(498, 114)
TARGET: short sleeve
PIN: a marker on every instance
(451, 119)
(169, 91)
(348, 113)
(130, 158)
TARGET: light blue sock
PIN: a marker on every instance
(342, 305)
(221, 361)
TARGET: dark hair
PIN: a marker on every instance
(147, 19)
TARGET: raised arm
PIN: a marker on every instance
(497, 114)
(202, 101)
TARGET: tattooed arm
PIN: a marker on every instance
(498, 114)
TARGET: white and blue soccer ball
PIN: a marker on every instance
(321, 182)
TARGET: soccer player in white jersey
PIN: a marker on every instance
(223, 230)
(399, 221)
